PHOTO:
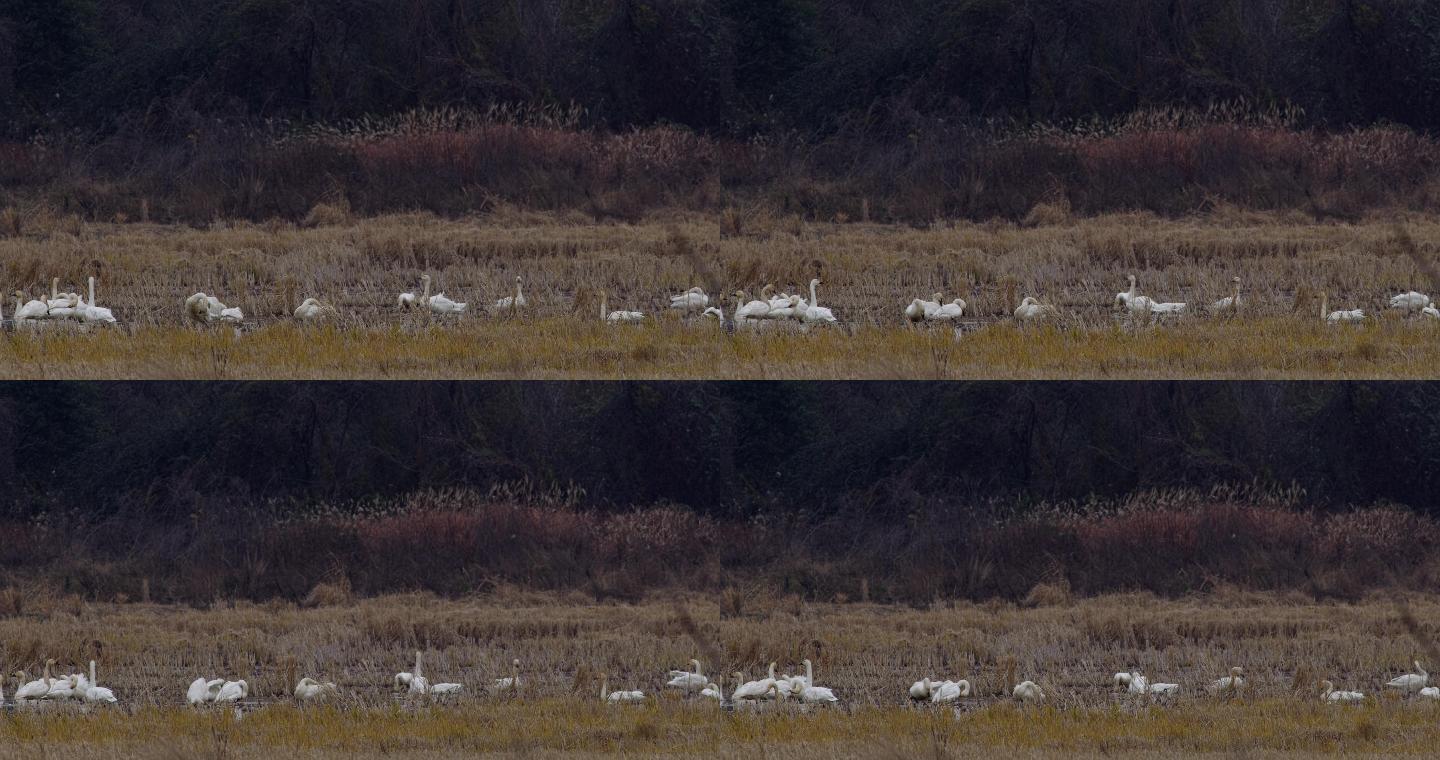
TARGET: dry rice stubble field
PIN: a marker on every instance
(869, 272)
(868, 653)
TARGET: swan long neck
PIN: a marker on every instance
(424, 298)
(604, 687)
(54, 288)
(1131, 292)
(604, 305)
(92, 672)
(809, 673)
(770, 673)
(92, 290)
(48, 678)
(964, 688)
(813, 300)
(1420, 670)
(1324, 304)
(698, 671)
(417, 664)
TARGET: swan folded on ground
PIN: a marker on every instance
(1168, 308)
(618, 696)
(311, 309)
(713, 691)
(752, 690)
(1410, 682)
(789, 308)
(1029, 691)
(949, 312)
(511, 682)
(92, 313)
(1229, 303)
(1339, 316)
(752, 310)
(29, 310)
(446, 689)
(32, 690)
(619, 316)
(90, 692)
(438, 303)
(1031, 310)
(1165, 688)
(1430, 692)
(233, 691)
(949, 691)
(1232, 682)
(688, 679)
(920, 310)
(1431, 311)
(693, 299)
(309, 690)
(922, 689)
(1410, 302)
(1329, 694)
(512, 303)
(203, 690)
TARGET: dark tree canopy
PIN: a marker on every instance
(725, 66)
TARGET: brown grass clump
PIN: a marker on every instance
(10, 222)
(1048, 594)
(328, 214)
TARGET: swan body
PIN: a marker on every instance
(90, 692)
(688, 679)
(949, 312)
(1031, 310)
(200, 691)
(311, 309)
(445, 689)
(510, 682)
(1135, 303)
(36, 689)
(714, 312)
(920, 310)
(1029, 691)
(1430, 311)
(756, 309)
(1168, 308)
(1165, 688)
(1339, 697)
(617, 697)
(1133, 682)
(751, 690)
(1430, 692)
(693, 299)
(1339, 316)
(32, 309)
(63, 688)
(514, 302)
(232, 314)
(817, 695)
(309, 690)
(407, 300)
(1230, 302)
(815, 313)
(1228, 683)
(949, 691)
(618, 317)
(232, 691)
(787, 308)
(1410, 302)
(712, 691)
(1410, 682)
(438, 303)
(922, 689)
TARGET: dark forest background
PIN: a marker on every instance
(880, 491)
(723, 449)
(735, 67)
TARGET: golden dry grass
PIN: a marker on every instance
(869, 271)
(868, 653)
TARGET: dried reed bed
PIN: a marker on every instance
(868, 653)
(868, 271)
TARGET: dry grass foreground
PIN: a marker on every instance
(868, 654)
(870, 272)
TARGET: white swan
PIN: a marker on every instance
(511, 682)
(1410, 682)
(90, 692)
(949, 312)
(64, 688)
(920, 310)
(28, 310)
(31, 690)
(817, 695)
(1430, 311)
(1231, 682)
(312, 309)
(786, 309)
(1228, 303)
(438, 303)
(949, 691)
(751, 690)
(1430, 692)
(715, 312)
(1028, 691)
(619, 316)
(1410, 302)
(752, 310)
(512, 303)
(693, 299)
(309, 690)
(1168, 308)
(232, 314)
(1165, 688)
(688, 679)
(618, 696)
(92, 313)
(1031, 310)
(199, 692)
(1329, 694)
(1339, 316)
(922, 689)
(1133, 682)
(445, 689)
(232, 691)
(814, 313)
(1132, 301)
(713, 691)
